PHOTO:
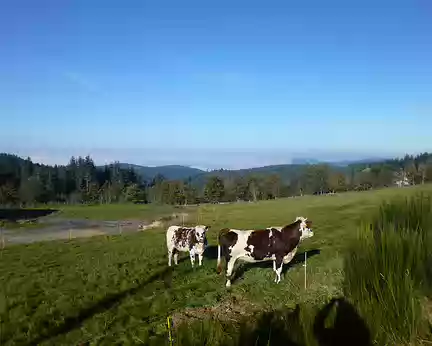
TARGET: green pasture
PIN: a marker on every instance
(119, 290)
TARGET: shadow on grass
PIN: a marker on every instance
(348, 327)
(210, 252)
(15, 214)
(298, 259)
(274, 328)
(287, 327)
(337, 324)
(108, 302)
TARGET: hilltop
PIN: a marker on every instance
(285, 171)
(170, 172)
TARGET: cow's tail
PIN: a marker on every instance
(221, 249)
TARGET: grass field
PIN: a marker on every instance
(119, 290)
(117, 211)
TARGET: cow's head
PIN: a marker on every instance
(305, 227)
(200, 232)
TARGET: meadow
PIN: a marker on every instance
(117, 211)
(119, 289)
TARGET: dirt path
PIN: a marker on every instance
(55, 228)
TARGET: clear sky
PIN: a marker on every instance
(215, 83)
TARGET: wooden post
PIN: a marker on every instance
(119, 227)
(2, 237)
(70, 233)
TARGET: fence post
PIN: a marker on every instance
(170, 338)
(70, 229)
(2, 236)
(119, 227)
(305, 269)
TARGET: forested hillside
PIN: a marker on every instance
(23, 182)
(170, 172)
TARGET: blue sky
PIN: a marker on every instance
(215, 83)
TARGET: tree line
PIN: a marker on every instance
(25, 183)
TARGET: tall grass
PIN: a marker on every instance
(388, 269)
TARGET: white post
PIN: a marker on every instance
(305, 271)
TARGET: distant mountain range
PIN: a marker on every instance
(305, 161)
(198, 176)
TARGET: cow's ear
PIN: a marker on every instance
(207, 228)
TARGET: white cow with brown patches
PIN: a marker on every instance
(277, 244)
(186, 239)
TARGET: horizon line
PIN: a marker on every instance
(307, 161)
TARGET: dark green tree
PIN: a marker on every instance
(214, 189)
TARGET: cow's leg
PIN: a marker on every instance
(200, 258)
(176, 257)
(279, 265)
(230, 267)
(192, 257)
(170, 252)
(274, 269)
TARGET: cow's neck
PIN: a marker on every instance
(292, 230)
(293, 227)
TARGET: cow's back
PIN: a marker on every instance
(184, 238)
(235, 241)
(170, 233)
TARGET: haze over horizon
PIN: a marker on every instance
(202, 159)
(215, 85)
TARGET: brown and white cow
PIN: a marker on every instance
(277, 244)
(186, 239)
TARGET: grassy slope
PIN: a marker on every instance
(109, 289)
